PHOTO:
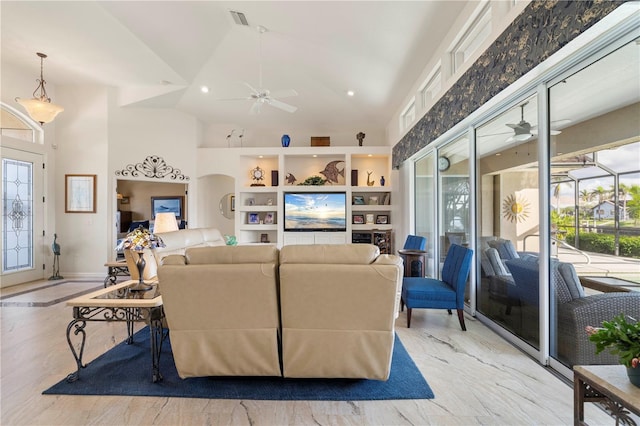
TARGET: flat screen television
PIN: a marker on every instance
(315, 211)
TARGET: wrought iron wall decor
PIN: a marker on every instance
(153, 166)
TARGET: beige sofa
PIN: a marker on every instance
(176, 243)
(338, 307)
(221, 307)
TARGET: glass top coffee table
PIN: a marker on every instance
(117, 303)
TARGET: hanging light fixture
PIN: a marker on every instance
(40, 107)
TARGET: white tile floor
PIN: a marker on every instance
(477, 378)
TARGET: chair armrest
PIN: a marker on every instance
(575, 316)
(605, 288)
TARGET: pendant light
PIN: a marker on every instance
(40, 107)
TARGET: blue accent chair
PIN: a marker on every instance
(448, 293)
(415, 242)
(414, 256)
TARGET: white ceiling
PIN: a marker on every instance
(159, 53)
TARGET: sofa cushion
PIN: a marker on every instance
(570, 277)
(496, 262)
(343, 254)
(505, 248)
(231, 255)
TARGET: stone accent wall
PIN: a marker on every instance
(543, 28)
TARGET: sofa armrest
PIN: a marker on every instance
(574, 346)
(388, 259)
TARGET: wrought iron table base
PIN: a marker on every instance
(152, 315)
(113, 271)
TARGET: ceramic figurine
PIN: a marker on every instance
(331, 171)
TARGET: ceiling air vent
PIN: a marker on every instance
(239, 18)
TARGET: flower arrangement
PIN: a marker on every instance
(140, 239)
(622, 338)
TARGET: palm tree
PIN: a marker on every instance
(623, 191)
(556, 195)
(634, 203)
(600, 193)
(585, 197)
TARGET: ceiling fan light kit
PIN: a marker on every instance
(40, 107)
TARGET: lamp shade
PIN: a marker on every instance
(41, 111)
(165, 222)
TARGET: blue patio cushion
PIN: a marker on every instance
(505, 248)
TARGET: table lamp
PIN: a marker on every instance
(136, 241)
(165, 222)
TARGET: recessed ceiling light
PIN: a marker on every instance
(204, 89)
(350, 93)
(315, 155)
(498, 154)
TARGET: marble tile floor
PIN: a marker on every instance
(477, 377)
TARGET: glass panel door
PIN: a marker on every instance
(454, 206)
(508, 221)
(424, 206)
(595, 187)
(22, 217)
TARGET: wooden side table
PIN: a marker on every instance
(414, 262)
(608, 385)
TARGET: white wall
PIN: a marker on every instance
(502, 16)
(211, 189)
(215, 136)
(21, 83)
(82, 149)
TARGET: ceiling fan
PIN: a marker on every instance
(523, 130)
(261, 96)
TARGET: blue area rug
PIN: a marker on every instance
(126, 370)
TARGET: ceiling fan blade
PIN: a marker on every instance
(287, 93)
(253, 89)
(534, 131)
(246, 98)
(281, 105)
(256, 107)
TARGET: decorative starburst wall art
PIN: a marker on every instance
(515, 208)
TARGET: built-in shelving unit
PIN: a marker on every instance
(356, 171)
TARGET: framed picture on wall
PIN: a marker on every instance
(170, 204)
(80, 194)
(358, 219)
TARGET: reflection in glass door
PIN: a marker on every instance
(454, 197)
(424, 206)
(595, 182)
(508, 221)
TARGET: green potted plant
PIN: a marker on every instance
(622, 338)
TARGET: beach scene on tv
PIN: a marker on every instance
(315, 211)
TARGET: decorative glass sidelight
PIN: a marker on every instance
(17, 215)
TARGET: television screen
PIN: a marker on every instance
(315, 211)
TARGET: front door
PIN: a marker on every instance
(22, 225)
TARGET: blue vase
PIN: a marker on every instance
(382, 181)
(285, 140)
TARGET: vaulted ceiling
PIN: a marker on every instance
(159, 54)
